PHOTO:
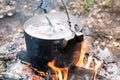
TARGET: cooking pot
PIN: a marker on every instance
(47, 34)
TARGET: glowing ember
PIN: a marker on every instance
(60, 73)
(41, 73)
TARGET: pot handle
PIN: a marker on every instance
(40, 7)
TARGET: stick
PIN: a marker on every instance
(7, 57)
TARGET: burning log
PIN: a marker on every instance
(79, 73)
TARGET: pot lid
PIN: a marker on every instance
(52, 26)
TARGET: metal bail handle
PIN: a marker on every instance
(76, 27)
(40, 7)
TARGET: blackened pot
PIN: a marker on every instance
(41, 50)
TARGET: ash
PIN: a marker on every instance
(16, 70)
(111, 71)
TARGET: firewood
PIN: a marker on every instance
(7, 57)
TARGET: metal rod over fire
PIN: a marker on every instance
(69, 22)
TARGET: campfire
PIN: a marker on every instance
(85, 62)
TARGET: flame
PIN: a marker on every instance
(84, 48)
(65, 73)
(89, 61)
(41, 73)
(57, 71)
(60, 73)
(97, 66)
